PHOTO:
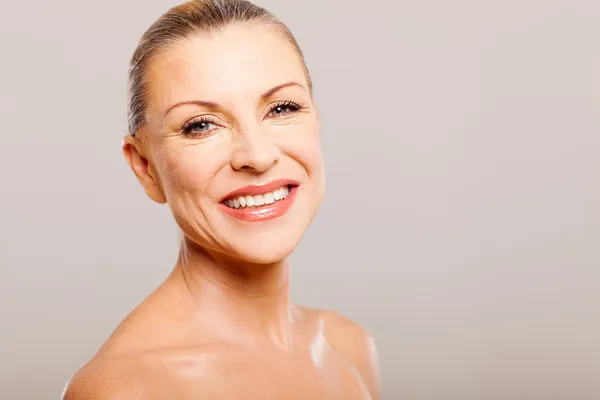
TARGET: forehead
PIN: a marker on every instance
(236, 63)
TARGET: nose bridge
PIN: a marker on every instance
(254, 147)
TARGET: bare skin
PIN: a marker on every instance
(171, 347)
(222, 325)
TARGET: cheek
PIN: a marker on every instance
(189, 169)
(305, 147)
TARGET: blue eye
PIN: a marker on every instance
(283, 109)
(198, 127)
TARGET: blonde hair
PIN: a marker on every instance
(180, 23)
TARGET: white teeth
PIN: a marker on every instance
(269, 198)
(258, 200)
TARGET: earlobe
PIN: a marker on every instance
(138, 162)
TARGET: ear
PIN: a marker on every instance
(135, 155)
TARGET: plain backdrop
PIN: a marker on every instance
(461, 224)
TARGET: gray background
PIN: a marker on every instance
(461, 223)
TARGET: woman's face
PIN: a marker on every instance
(231, 125)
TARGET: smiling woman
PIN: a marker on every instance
(224, 129)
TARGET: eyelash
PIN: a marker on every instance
(293, 106)
(187, 128)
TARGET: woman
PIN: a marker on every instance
(223, 128)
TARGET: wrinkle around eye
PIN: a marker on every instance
(187, 130)
(296, 116)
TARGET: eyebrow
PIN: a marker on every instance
(215, 106)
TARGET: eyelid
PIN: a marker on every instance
(208, 118)
(203, 117)
(199, 119)
(297, 107)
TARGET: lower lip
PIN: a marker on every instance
(262, 213)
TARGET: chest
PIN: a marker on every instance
(296, 377)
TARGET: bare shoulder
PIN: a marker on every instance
(353, 342)
(153, 374)
(105, 378)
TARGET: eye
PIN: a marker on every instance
(198, 127)
(283, 109)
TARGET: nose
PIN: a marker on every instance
(255, 150)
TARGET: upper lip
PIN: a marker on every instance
(253, 190)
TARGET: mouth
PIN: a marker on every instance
(258, 203)
(258, 200)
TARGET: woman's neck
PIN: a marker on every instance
(238, 297)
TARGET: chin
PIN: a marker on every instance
(269, 245)
(268, 241)
(265, 256)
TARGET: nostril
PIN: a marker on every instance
(258, 165)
